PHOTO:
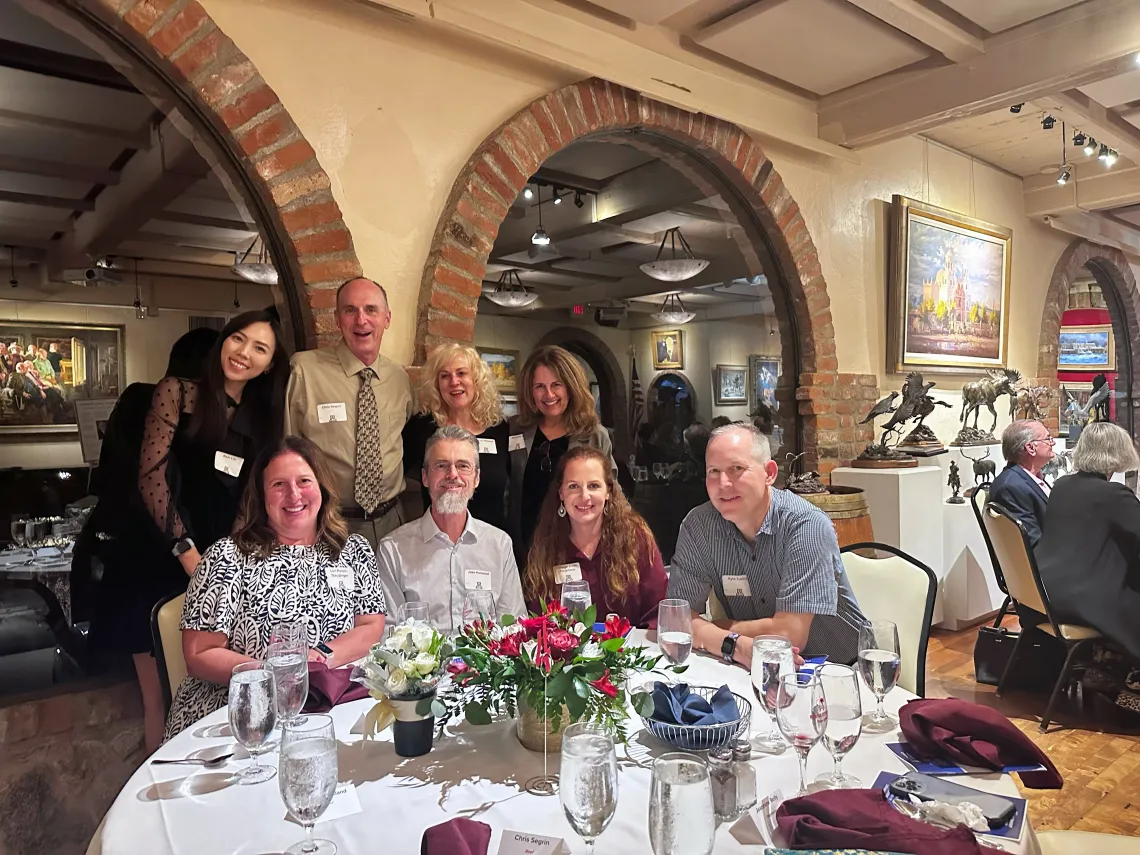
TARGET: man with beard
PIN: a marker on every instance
(446, 553)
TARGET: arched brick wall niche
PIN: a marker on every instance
(828, 401)
(1114, 275)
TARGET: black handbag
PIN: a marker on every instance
(1038, 662)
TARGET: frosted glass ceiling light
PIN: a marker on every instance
(673, 311)
(674, 269)
(259, 270)
(510, 293)
(540, 237)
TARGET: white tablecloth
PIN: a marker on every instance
(477, 772)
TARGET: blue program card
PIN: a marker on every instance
(945, 768)
(812, 665)
(1012, 831)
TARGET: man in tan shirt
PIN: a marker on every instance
(353, 403)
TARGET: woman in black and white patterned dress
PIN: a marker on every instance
(290, 558)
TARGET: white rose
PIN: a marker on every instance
(397, 681)
(530, 648)
(591, 650)
(422, 635)
(578, 629)
(424, 664)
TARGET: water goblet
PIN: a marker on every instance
(413, 610)
(576, 595)
(681, 818)
(879, 663)
(479, 605)
(253, 715)
(772, 658)
(308, 777)
(588, 781)
(844, 721)
(675, 630)
(20, 531)
(289, 632)
(801, 714)
(290, 665)
(658, 470)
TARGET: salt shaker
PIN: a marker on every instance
(745, 774)
(723, 783)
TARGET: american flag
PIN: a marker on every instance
(636, 401)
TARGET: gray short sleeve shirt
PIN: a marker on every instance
(793, 565)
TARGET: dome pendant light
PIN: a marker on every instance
(674, 269)
(673, 311)
(260, 271)
(510, 293)
(540, 237)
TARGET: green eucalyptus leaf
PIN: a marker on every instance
(476, 714)
(424, 706)
(508, 620)
(581, 687)
(613, 645)
(438, 709)
(590, 616)
(576, 704)
(559, 685)
(643, 703)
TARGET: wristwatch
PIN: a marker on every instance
(182, 546)
(728, 646)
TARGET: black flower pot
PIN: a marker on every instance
(412, 732)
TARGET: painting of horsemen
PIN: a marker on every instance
(949, 290)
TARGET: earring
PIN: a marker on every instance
(561, 510)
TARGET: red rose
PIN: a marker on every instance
(616, 627)
(534, 625)
(561, 643)
(603, 685)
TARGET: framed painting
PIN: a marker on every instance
(949, 291)
(510, 406)
(1087, 348)
(504, 366)
(45, 368)
(763, 374)
(731, 385)
(668, 350)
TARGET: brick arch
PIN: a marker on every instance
(1110, 268)
(229, 103)
(501, 166)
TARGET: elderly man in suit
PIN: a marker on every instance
(1027, 446)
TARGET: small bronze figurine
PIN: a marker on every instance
(984, 470)
(954, 482)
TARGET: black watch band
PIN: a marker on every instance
(728, 647)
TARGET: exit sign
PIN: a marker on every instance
(578, 309)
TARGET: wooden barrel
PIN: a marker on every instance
(848, 511)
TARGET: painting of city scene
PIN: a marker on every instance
(45, 368)
(951, 278)
(1087, 348)
(504, 365)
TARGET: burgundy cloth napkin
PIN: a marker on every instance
(459, 836)
(331, 686)
(863, 819)
(974, 735)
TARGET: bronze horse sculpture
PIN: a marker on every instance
(986, 391)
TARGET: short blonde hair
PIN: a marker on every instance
(580, 417)
(1105, 448)
(486, 409)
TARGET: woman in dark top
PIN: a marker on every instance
(1089, 552)
(587, 530)
(458, 390)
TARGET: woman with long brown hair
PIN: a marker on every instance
(588, 530)
(556, 414)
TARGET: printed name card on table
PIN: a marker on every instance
(345, 802)
(520, 843)
(757, 826)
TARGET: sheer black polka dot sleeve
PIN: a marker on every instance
(172, 397)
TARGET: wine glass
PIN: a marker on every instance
(253, 715)
(478, 605)
(19, 532)
(879, 663)
(289, 662)
(675, 630)
(658, 469)
(681, 819)
(844, 721)
(414, 610)
(801, 713)
(289, 632)
(772, 658)
(576, 595)
(308, 777)
(588, 782)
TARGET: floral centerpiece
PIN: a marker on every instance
(403, 673)
(547, 668)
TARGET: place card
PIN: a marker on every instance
(756, 826)
(345, 802)
(521, 843)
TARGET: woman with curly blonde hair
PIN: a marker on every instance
(458, 390)
(588, 530)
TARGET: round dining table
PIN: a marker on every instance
(479, 772)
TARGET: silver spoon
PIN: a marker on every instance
(210, 763)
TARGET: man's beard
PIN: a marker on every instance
(452, 501)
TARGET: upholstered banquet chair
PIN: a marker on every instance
(164, 620)
(978, 501)
(1086, 843)
(897, 588)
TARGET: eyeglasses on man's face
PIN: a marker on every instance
(443, 467)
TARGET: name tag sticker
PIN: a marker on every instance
(564, 573)
(518, 843)
(477, 580)
(332, 413)
(736, 586)
(340, 576)
(516, 443)
(487, 446)
(228, 463)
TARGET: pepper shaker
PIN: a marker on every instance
(723, 783)
(745, 774)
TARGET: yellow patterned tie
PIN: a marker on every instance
(369, 462)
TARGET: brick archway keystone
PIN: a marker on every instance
(499, 169)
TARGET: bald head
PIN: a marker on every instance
(362, 314)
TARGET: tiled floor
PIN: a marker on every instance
(1096, 749)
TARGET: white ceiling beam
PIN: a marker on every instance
(1070, 48)
(55, 169)
(925, 26)
(37, 200)
(130, 139)
(1099, 229)
(1109, 127)
(1088, 191)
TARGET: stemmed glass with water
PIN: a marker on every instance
(844, 721)
(416, 610)
(576, 595)
(308, 777)
(253, 715)
(772, 658)
(478, 605)
(879, 663)
(801, 713)
(675, 630)
(588, 782)
(289, 661)
(681, 819)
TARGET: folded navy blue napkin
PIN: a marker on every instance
(678, 705)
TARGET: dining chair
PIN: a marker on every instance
(978, 501)
(1019, 564)
(1086, 843)
(897, 588)
(164, 620)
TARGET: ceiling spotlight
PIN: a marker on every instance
(674, 269)
(1048, 122)
(528, 193)
(1111, 157)
(673, 311)
(510, 292)
(557, 196)
(1090, 147)
(578, 203)
(1016, 108)
(1103, 154)
(1078, 139)
(1064, 175)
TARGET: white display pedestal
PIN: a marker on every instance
(970, 592)
(906, 511)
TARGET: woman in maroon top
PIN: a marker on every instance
(587, 527)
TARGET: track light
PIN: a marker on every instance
(1103, 155)
(1048, 122)
(1064, 175)
(1078, 139)
(1016, 108)
(1111, 157)
(528, 193)
(557, 196)
(578, 203)
(1090, 147)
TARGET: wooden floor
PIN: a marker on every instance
(1096, 749)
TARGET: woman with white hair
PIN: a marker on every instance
(1089, 554)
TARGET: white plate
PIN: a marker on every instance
(10, 557)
